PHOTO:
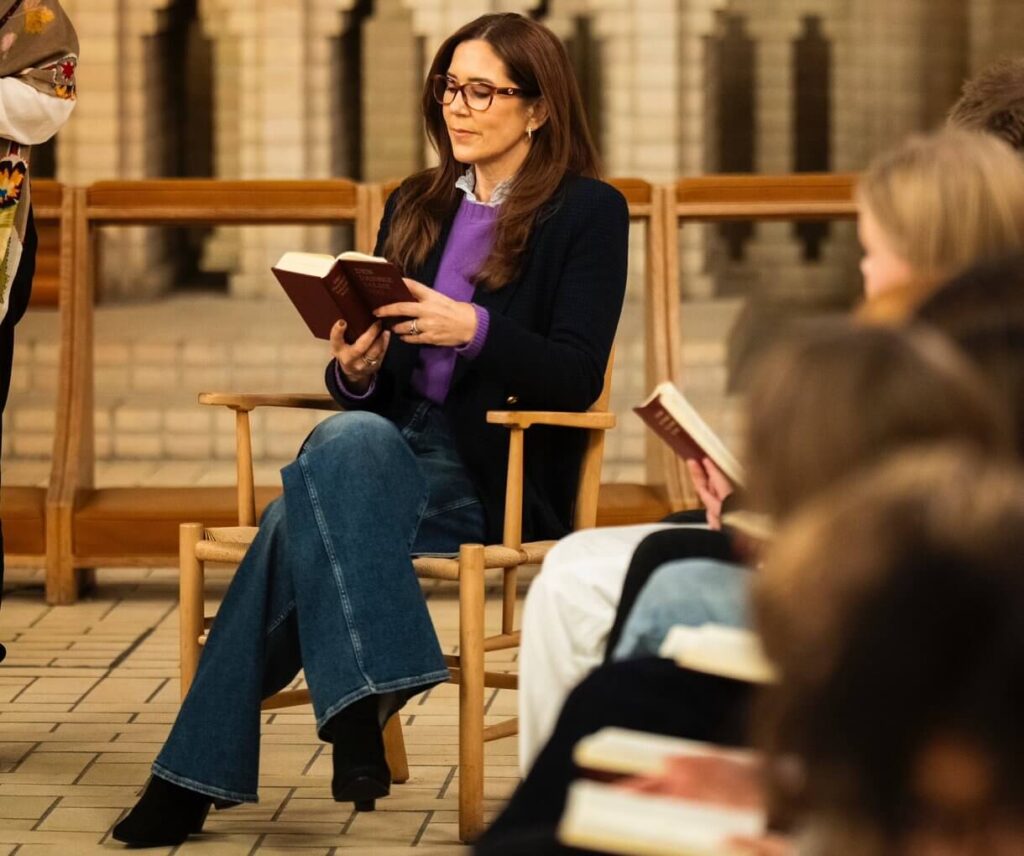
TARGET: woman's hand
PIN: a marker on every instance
(712, 486)
(361, 360)
(706, 778)
(435, 319)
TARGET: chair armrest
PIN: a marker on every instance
(527, 418)
(251, 400)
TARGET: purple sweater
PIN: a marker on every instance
(469, 243)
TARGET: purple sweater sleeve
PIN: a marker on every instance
(471, 350)
(343, 386)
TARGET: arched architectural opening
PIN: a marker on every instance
(585, 53)
(182, 128)
(812, 119)
(731, 67)
(348, 125)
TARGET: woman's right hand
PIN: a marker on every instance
(361, 360)
(712, 486)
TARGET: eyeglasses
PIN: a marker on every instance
(476, 96)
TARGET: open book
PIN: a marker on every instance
(625, 752)
(676, 421)
(730, 652)
(350, 286)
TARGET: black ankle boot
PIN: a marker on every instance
(165, 815)
(361, 773)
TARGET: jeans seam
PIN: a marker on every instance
(201, 787)
(376, 689)
(346, 606)
(280, 619)
(454, 505)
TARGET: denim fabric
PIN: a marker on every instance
(690, 592)
(328, 586)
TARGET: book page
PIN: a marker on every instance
(686, 415)
(608, 818)
(310, 264)
(730, 652)
(627, 752)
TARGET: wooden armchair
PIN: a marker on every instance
(467, 668)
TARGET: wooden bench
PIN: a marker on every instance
(24, 509)
(721, 198)
(138, 526)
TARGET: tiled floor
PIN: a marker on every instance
(88, 693)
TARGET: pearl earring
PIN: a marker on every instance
(529, 132)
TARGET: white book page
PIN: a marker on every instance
(353, 256)
(608, 818)
(637, 753)
(730, 652)
(686, 415)
(311, 264)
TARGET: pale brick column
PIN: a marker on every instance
(275, 79)
(116, 125)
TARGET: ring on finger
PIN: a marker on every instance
(414, 327)
(370, 361)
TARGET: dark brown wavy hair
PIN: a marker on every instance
(537, 62)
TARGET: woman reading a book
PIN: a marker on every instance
(911, 223)
(516, 255)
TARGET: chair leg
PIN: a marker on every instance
(190, 601)
(394, 748)
(471, 692)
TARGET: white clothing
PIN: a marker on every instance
(28, 116)
(568, 614)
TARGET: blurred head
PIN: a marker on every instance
(839, 397)
(933, 206)
(993, 102)
(901, 688)
(490, 83)
(982, 312)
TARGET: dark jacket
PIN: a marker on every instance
(550, 335)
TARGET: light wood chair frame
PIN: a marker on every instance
(168, 202)
(467, 668)
(54, 202)
(722, 198)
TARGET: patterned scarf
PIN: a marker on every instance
(38, 46)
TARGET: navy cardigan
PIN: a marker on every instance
(550, 336)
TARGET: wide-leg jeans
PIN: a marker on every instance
(328, 586)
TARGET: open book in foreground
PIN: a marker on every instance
(675, 420)
(625, 752)
(350, 286)
(607, 818)
(729, 652)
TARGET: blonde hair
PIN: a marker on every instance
(947, 200)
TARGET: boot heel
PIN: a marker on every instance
(366, 805)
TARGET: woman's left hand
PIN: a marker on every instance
(435, 319)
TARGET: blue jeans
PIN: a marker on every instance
(690, 592)
(328, 586)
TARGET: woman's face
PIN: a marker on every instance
(882, 269)
(493, 139)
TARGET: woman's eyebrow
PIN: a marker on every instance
(472, 79)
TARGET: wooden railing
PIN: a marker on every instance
(76, 526)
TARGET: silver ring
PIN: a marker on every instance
(414, 327)
(370, 361)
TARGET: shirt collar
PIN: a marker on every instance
(467, 184)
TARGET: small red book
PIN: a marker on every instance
(671, 416)
(350, 286)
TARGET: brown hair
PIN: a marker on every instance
(982, 312)
(947, 200)
(838, 396)
(893, 610)
(537, 62)
(993, 102)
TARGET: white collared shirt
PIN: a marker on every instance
(467, 184)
